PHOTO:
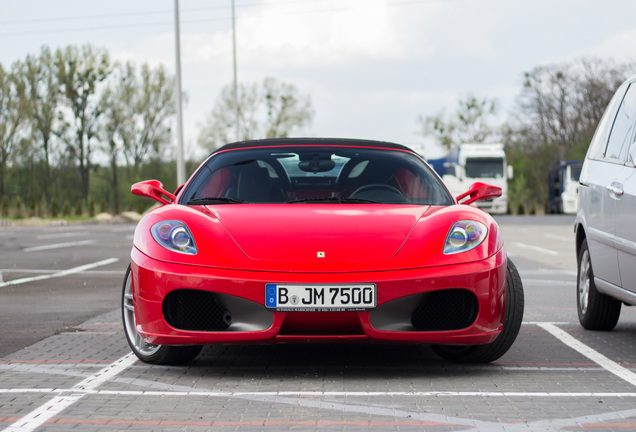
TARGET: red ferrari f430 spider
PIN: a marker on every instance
(318, 240)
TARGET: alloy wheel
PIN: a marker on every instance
(130, 323)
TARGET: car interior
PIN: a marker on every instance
(316, 175)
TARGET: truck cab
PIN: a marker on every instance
(476, 162)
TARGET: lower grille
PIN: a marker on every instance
(452, 309)
(196, 310)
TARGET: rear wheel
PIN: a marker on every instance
(596, 310)
(513, 315)
(147, 352)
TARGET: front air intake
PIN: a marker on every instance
(188, 309)
(452, 309)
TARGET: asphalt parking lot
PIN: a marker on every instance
(65, 363)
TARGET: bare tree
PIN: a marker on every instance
(136, 110)
(42, 90)
(556, 114)
(147, 130)
(560, 105)
(79, 73)
(473, 121)
(116, 102)
(271, 109)
(13, 116)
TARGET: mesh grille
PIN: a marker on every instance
(195, 310)
(453, 309)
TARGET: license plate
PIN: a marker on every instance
(304, 297)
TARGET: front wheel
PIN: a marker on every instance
(513, 316)
(147, 352)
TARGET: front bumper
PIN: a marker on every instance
(244, 318)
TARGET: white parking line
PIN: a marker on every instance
(536, 248)
(64, 234)
(550, 273)
(548, 282)
(60, 273)
(558, 237)
(38, 271)
(595, 356)
(40, 415)
(59, 245)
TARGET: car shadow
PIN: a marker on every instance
(329, 361)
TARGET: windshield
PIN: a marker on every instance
(484, 167)
(575, 171)
(317, 174)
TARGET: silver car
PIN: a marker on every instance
(605, 223)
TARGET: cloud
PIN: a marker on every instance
(619, 46)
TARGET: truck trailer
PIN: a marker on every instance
(563, 187)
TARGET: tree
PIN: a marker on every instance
(472, 122)
(42, 91)
(116, 102)
(79, 73)
(271, 109)
(560, 105)
(148, 132)
(556, 114)
(135, 115)
(13, 111)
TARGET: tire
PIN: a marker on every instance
(513, 316)
(596, 310)
(146, 352)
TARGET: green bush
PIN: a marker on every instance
(42, 206)
(5, 206)
(18, 208)
(521, 210)
(66, 210)
(54, 208)
(78, 208)
(32, 206)
(91, 207)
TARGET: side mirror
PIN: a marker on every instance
(153, 189)
(479, 192)
(510, 172)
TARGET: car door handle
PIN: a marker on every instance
(616, 189)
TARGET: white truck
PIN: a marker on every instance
(563, 187)
(475, 162)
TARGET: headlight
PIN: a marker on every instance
(175, 236)
(464, 236)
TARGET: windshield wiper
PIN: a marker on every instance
(330, 199)
(214, 200)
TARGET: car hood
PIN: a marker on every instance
(306, 232)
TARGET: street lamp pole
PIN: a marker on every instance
(180, 160)
(235, 88)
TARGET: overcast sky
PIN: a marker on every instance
(371, 67)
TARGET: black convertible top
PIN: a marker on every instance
(311, 141)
